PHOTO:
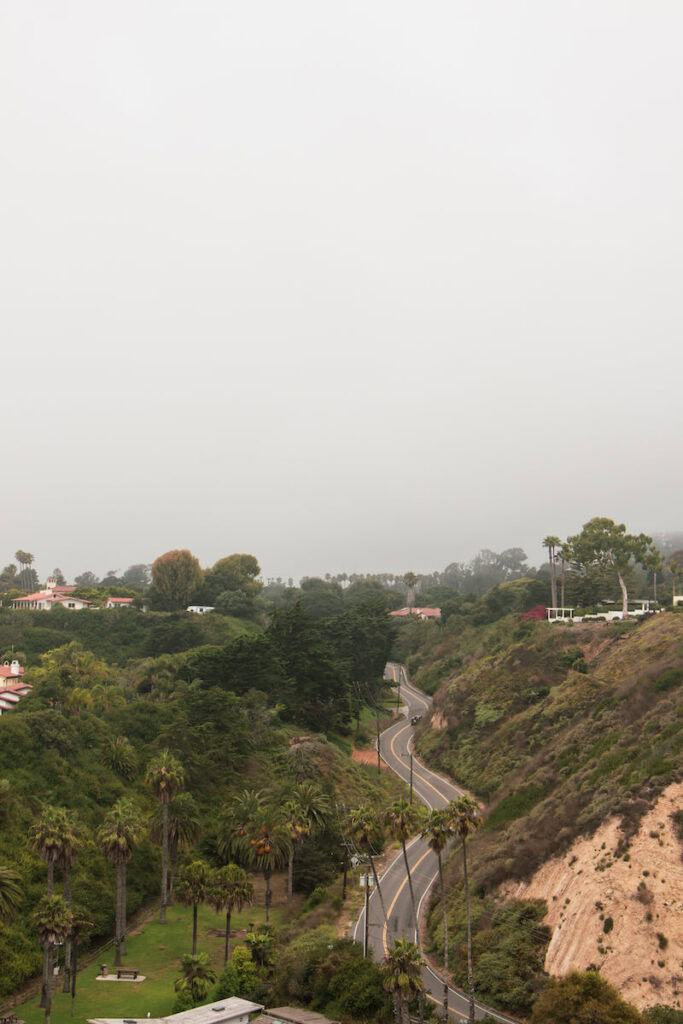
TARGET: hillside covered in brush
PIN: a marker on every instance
(556, 730)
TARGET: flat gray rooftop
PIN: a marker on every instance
(223, 1010)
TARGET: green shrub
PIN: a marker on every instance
(514, 806)
(239, 977)
(668, 680)
(608, 925)
(662, 940)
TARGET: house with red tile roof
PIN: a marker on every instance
(50, 597)
(423, 613)
(118, 602)
(12, 686)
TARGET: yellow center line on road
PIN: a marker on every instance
(415, 774)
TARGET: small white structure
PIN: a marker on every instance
(200, 609)
(119, 602)
(559, 614)
(225, 1011)
(678, 599)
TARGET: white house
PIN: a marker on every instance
(118, 602)
(199, 609)
(12, 686)
(50, 597)
(225, 1011)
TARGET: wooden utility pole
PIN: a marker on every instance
(367, 911)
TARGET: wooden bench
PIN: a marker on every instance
(126, 972)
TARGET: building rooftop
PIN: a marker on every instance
(291, 1015)
(210, 1013)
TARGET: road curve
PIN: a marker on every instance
(434, 791)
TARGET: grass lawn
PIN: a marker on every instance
(155, 951)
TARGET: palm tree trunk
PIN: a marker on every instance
(624, 597)
(553, 579)
(67, 941)
(194, 928)
(44, 987)
(410, 886)
(164, 863)
(266, 875)
(444, 911)
(377, 886)
(171, 876)
(124, 907)
(117, 931)
(74, 969)
(470, 975)
(290, 876)
(50, 877)
(48, 987)
(562, 583)
(228, 915)
(398, 1006)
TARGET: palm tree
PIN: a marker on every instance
(52, 920)
(401, 972)
(438, 831)
(551, 542)
(45, 837)
(79, 926)
(24, 558)
(230, 890)
(119, 755)
(197, 976)
(266, 845)
(403, 820)
(72, 840)
(118, 836)
(365, 831)
(193, 888)
(565, 555)
(49, 837)
(307, 810)
(464, 815)
(11, 893)
(184, 829)
(411, 581)
(165, 777)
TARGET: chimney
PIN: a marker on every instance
(51, 583)
(15, 668)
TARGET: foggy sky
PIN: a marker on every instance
(351, 286)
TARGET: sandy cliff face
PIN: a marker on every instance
(641, 894)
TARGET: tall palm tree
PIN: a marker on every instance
(72, 840)
(266, 845)
(403, 820)
(118, 836)
(49, 837)
(230, 889)
(411, 581)
(45, 838)
(165, 777)
(11, 893)
(438, 831)
(464, 815)
(551, 543)
(306, 810)
(52, 920)
(79, 926)
(365, 831)
(401, 972)
(565, 555)
(197, 976)
(184, 830)
(193, 888)
(234, 822)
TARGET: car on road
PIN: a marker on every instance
(415, 719)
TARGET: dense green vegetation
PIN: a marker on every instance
(230, 712)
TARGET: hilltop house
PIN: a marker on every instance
(12, 686)
(118, 602)
(433, 614)
(53, 595)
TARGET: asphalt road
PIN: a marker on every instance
(434, 791)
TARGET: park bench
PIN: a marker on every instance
(126, 972)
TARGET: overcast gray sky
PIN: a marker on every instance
(351, 286)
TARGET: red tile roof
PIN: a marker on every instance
(119, 600)
(6, 671)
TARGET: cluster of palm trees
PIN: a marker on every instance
(365, 828)
(264, 835)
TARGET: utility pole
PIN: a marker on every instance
(411, 778)
(367, 911)
(379, 766)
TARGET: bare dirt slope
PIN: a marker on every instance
(642, 896)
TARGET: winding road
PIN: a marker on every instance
(434, 791)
